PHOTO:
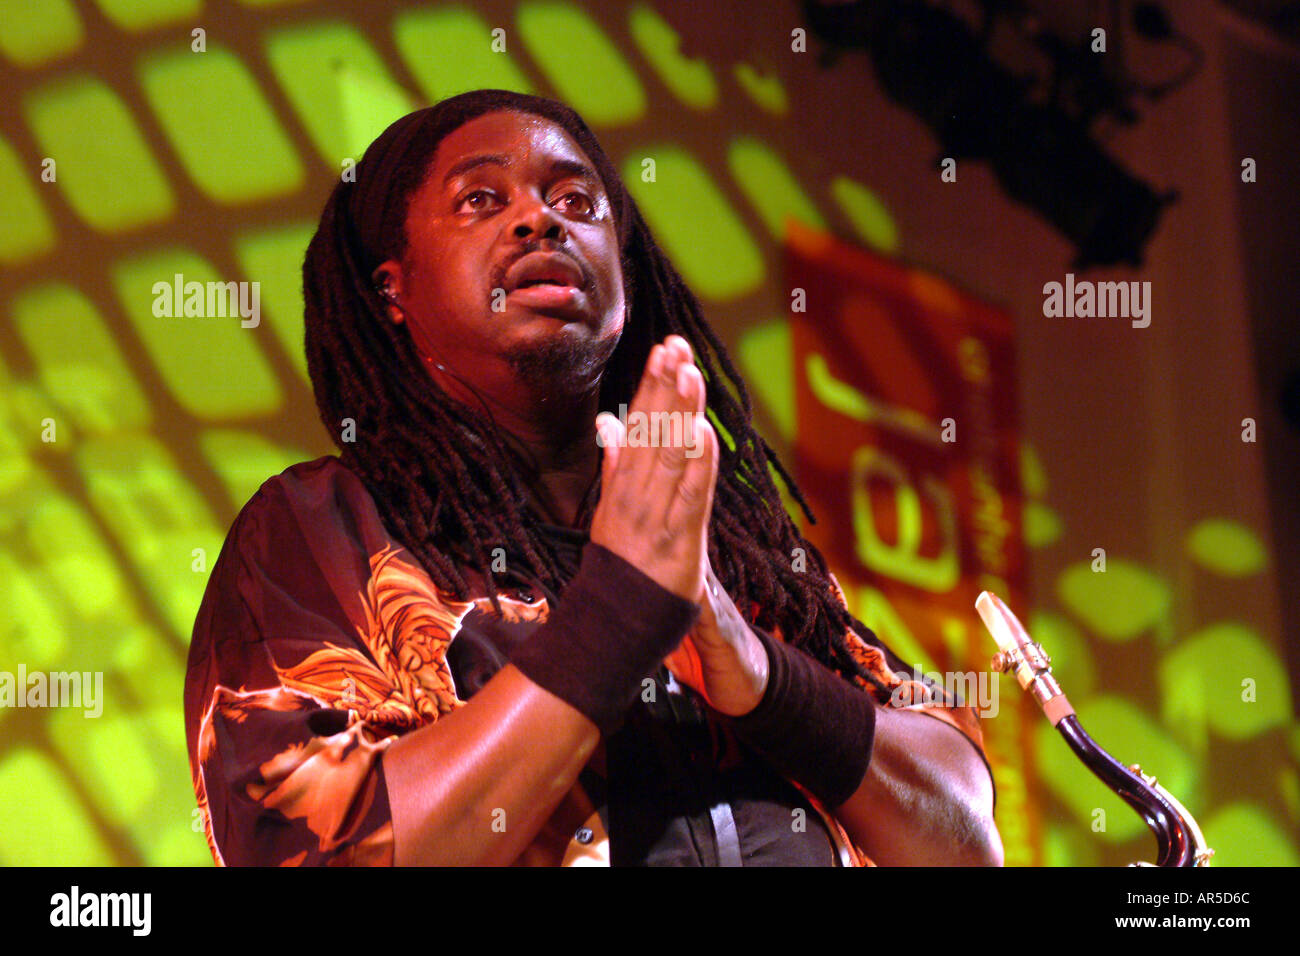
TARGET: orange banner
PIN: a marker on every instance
(907, 451)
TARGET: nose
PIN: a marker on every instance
(538, 218)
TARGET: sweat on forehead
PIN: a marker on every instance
(455, 159)
(397, 161)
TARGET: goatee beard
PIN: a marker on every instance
(563, 365)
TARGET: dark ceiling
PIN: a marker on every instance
(1280, 16)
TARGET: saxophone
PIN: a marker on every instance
(1179, 838)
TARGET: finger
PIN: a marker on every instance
(692, 505)
(610, 436)
(670, 431)
(659, 379)
(650, 394)
(681, 347)
(652, 377)
(654, 464)
(691, 388)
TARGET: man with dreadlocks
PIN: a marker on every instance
(499, 629)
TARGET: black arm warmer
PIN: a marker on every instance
(611, 628)
(811, 725)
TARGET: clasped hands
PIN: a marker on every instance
(653, 512)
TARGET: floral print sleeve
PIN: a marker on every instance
(316, 644)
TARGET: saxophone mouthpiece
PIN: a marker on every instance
(1018, 653)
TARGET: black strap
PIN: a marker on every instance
(686, 710)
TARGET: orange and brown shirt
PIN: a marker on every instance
(320, 640)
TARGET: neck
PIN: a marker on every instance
(551, 423)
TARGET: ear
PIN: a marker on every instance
(388, 284)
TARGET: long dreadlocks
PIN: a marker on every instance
(445, 483)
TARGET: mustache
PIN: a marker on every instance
(503, 268)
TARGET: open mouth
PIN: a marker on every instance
(545, 281)
(546, 293)
(540, 268)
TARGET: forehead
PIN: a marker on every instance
(523, 137)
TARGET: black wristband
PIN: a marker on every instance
(611, 628)
(811, 725)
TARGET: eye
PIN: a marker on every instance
(481, 195)
(584, 204)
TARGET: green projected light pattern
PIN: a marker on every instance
(770, 187)
(135, 485)
(138, 15)
(867, 213)
(691, 81)
(45, 822)
(81, 367)
(598, 83)
(447, 51)
(1220, 685)
(677, 194)
(128, 439)
(194, 98)
(1224, 682)
(33, 33)
(28, 232)
(212, 365)
(338, 85)
(72, 608)
(1227, 548)
(1119, 603)
(275, 257)
(244, 460)
(79, 119)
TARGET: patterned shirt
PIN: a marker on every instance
(320, 640)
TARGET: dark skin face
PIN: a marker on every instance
(534, 362)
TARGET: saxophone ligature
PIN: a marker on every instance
(1176, 832)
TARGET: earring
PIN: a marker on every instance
(386, 293)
